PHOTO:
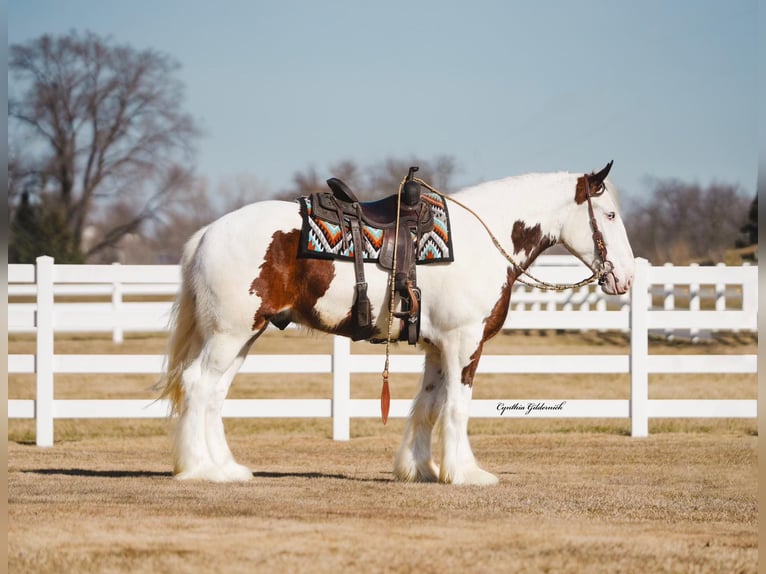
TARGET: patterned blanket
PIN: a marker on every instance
(323, 240)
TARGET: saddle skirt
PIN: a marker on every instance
(322, 237)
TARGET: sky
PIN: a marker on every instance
(666, 89)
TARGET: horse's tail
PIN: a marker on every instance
(186, 339)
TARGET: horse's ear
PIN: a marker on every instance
(595, 181)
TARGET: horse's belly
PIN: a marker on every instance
(333, 308)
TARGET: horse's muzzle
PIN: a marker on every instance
(605, 269)
(610, 283)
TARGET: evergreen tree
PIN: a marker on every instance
(749, 231)
(41, 229)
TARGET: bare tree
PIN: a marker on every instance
(304, 183)
(164, 242)
(100, 128)
(385, 177)
(682, 223)
(200, 205)
(374, 181)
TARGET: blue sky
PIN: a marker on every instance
(665, 88)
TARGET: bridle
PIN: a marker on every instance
(605, 267)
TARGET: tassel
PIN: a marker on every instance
(385, 398)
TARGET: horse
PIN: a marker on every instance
(241, 273)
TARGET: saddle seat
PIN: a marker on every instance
(380, 213)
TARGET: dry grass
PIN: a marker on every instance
(574, 496)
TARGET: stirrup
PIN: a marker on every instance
(412, 297)
(410, 315)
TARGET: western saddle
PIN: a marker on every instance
(341, 207)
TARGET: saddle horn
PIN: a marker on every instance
(411, 188)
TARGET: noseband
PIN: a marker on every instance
(605, 266)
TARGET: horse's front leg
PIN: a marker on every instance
(458, 464)
(414, 461)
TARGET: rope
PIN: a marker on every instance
(385, 394)
(535, 282)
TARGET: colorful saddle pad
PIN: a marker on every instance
(324, 240)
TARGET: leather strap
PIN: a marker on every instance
(598, 237)
(362, 301)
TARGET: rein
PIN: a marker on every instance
(385, 393)
(534, 282)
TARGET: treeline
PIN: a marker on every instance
(684, 223)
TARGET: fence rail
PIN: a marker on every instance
(732, 306)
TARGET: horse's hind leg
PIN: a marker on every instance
(218, 448)
(200, 449)
(414, 461)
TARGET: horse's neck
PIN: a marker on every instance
(525, 213)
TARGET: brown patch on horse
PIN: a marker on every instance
(492, 325)
(525, 238)
(288, 283)
(530, 240)
(469, 371)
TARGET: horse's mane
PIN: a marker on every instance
(516, 182)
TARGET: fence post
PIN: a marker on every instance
(44, 356)
(341, 388)
(750, 294)
(694, 305)
(639, 350)
(669, 302)
(117, 332)
(720, 290)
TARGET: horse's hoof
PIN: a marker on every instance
(417, 475)
(230, 473)
(471, 477)
(234, 472)
(406, 470)
(207, 473)
(480, 477)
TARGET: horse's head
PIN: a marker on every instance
(594, 232)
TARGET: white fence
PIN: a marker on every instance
(732, 305)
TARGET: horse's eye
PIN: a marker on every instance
(611, 215)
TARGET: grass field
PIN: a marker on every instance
(574, 495)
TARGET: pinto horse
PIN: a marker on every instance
(242, 272)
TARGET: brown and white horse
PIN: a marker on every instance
(242, 272)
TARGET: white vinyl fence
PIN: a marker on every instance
(664, 300)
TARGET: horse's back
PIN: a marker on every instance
(247, 227)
